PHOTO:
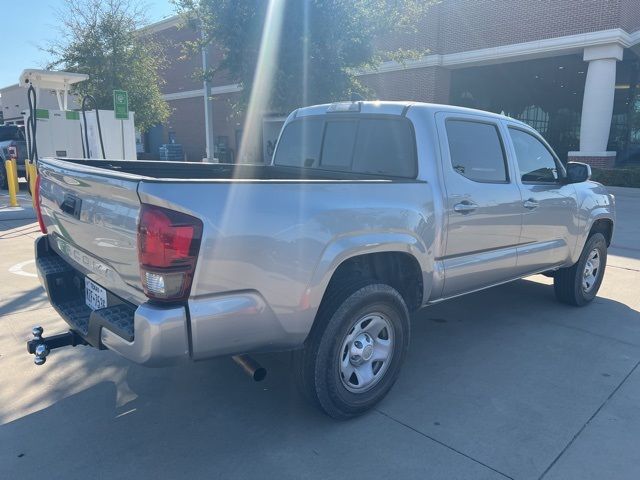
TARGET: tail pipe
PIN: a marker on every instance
(250, 367)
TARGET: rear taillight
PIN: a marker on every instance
(168, 245)
(36, 201)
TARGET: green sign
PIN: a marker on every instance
(71, 115)
(121, 104)
(42, 113)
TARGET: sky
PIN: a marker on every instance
(26, 25)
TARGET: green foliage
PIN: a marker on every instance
(618, 177)
(321, 46)
(100, 38)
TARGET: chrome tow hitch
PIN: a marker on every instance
(41, 347)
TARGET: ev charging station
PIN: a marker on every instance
(89, 134)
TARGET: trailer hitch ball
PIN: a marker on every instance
(37, 332)
(41, 347)
(41, 354)
(41, 350)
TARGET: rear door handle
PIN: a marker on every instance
(465, 207)
(531, 204)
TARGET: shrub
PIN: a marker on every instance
(618, 177)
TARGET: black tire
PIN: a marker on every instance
(568, 282)
(317, 366)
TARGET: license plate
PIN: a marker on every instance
(94, 295)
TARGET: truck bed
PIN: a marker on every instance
(91, 208)
(225, 171)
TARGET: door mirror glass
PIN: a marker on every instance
(578, 172)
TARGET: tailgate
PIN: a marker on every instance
(91, 215)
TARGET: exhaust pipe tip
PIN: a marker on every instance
(251, 367)
(260, 374)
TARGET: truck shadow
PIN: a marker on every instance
(209, 419)
(18, 227)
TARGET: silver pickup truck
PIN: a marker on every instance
(369, 211)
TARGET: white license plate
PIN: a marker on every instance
(94, 295)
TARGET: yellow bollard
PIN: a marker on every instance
(11, 173)
(15, 175)
(32, 173)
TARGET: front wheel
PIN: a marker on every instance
(354, 353)
(579, 284)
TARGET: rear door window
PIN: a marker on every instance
(476, 151)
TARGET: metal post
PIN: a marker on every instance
(122, 137)
(208, 110)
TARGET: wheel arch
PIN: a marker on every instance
(398, 259)
(598, 223)
(602, 225)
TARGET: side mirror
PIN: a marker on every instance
(578, 172)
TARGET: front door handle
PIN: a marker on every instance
(465, 207)
(531, 204)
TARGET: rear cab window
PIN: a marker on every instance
(367, 144)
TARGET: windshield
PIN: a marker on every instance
(10, 132)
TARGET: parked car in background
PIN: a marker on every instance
(12, 143)
(369, 211)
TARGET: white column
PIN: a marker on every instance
(597, 106)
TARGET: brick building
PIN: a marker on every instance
(570, 68)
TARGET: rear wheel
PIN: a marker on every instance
(579, 284)
(354, 353)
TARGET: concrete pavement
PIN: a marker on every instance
(24, 210)
(505, 383)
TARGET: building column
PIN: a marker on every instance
(597, 106)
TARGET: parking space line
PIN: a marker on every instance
(573, 439)
(444, 444)
(623, 268)
(17, 269)
(599, 335)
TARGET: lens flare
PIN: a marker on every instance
(263, 80)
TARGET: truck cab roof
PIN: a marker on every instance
(390, 108)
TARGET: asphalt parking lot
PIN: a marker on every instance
(505, 383)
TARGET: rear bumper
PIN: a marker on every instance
(145, 334)
(159, 335)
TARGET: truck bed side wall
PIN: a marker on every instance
(282, 241)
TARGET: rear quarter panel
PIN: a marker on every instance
(284, 240)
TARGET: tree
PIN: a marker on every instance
(101, 38)
(312, 49)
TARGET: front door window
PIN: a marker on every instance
(535, 162)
